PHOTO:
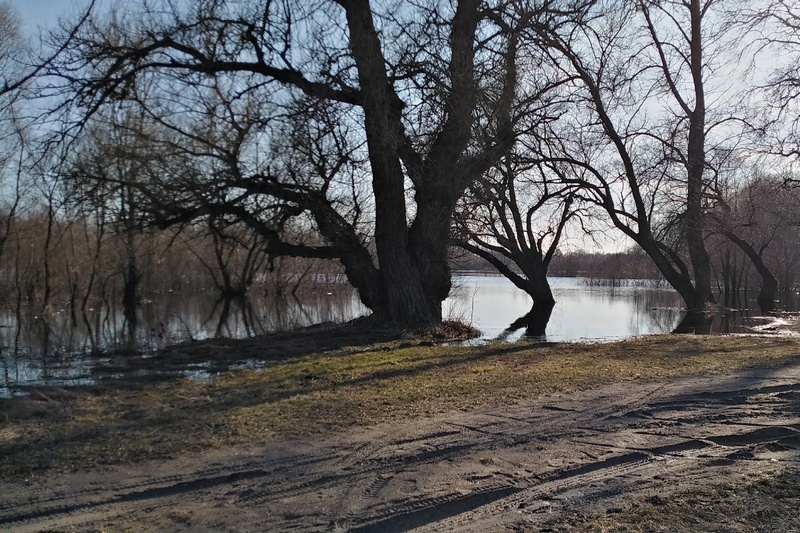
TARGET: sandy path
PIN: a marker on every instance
(526, 467)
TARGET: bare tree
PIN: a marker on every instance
(757, 218)
(238, 255)
(21, 181)
(104, 173)
(430, 92)
(777, 25)
(642, 69)
(514, 218)
(19, 66)
(15, 138)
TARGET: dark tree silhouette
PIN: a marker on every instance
(514, 218)
(431, 91)
(757, 217)
(645, 167)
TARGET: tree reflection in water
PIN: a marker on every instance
(67, 346)
(586, 310)
(534, 321)
(55, 349)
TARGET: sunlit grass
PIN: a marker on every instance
(323, 393)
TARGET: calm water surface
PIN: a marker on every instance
(65, 348)
(583, 312)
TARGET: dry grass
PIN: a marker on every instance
(761, 504)
(58, 429)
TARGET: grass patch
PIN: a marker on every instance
(314, 394)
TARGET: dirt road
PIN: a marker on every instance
(548, 464)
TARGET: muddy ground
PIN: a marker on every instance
(636, 456)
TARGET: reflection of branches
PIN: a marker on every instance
(302, 309)
(91, 334)
(654, 313)
(224, 315)
(298, 280)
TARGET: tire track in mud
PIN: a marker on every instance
(287, 476)
(507, 497)
(616, 442)
(487, 431)
(145, 487)
(402, 518)
(591, 481)
(294, 474)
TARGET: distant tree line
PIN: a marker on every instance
(633, 264)
(51, 262)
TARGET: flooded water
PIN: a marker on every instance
(583, 312)
(63, 347)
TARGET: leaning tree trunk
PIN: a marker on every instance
(534, 281)
(769, 283)
(697, 319)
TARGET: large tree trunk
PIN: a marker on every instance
(440, 181)
(429, 242)
(413, 261)
(405, 298)
(701, 264)
(538, 287)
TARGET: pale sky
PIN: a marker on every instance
(44, 13)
